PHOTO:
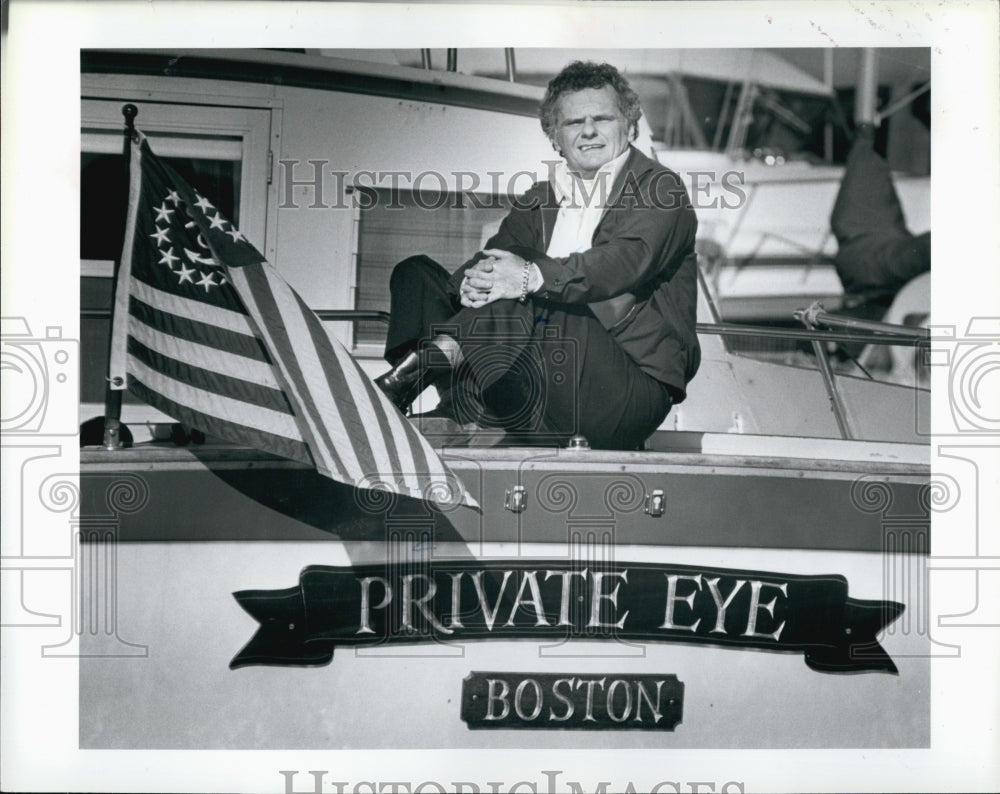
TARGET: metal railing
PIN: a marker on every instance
(871, 333)
(866, 333)
(355, 315)
(816, 320)
(328, 315)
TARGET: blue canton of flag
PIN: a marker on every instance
(206, 331)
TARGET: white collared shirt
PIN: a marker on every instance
(582, 204)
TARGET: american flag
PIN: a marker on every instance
(206, 331)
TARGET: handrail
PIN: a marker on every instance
(332, 315)
(900, 335)
(811, 317)
(829, 380)
(335, 315)
(734, 329)
(816, 315)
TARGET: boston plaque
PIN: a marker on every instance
(591, 701)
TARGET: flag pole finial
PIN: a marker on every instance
(130, 111)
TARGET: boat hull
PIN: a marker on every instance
(177, 533)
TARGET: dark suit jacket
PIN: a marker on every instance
(640, 275)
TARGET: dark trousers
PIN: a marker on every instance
(876, 253)
(543, 371)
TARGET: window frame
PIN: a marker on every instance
(375, 349)
(209, 130)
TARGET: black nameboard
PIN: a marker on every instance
(572, 701)
(457, 601)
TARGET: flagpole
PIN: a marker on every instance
(113, 397)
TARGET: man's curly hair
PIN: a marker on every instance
(587, 74)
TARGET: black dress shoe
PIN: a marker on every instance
(403, 383)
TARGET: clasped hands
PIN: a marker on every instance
(498, 276)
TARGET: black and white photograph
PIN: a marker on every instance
(496, 397)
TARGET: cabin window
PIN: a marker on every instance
(449, 228)
(222, 152)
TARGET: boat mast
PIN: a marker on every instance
(866, 95)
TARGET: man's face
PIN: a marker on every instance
(590, 129)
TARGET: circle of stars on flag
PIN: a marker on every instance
(204, 271)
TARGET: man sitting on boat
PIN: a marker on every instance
(578, 317)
